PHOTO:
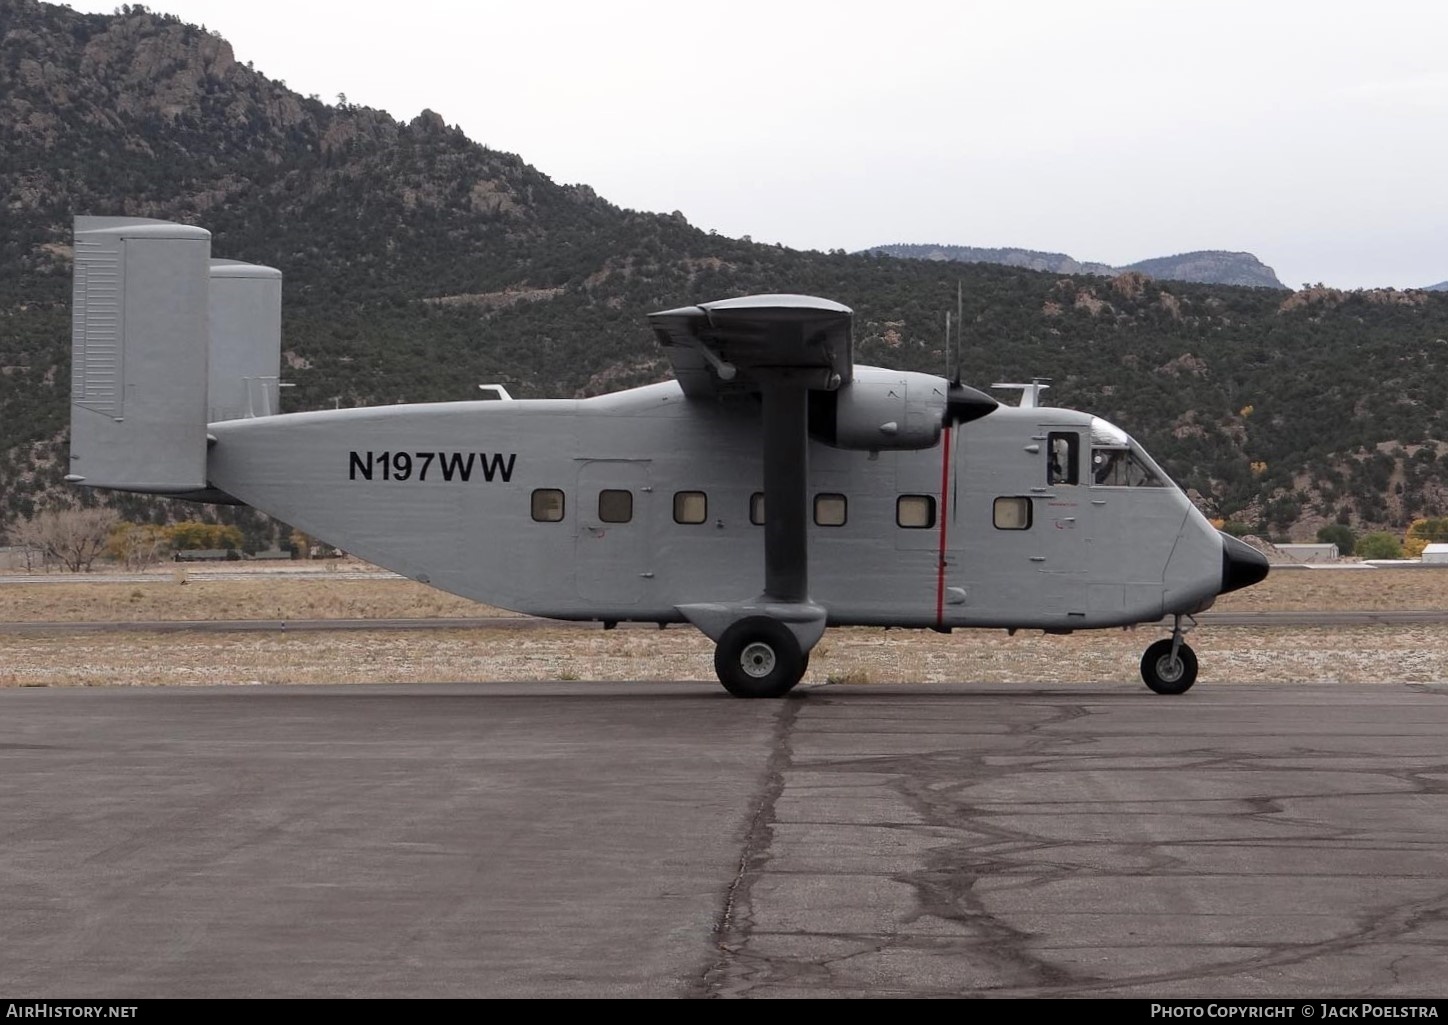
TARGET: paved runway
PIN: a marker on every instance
(663, 839)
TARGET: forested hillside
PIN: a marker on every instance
(419, 263)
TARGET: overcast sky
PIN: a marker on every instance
(1314, 135)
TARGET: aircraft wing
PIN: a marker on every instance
(740, 345)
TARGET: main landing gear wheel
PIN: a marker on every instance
(1168, 674)
(758, 657)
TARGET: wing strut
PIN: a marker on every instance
(786, 492)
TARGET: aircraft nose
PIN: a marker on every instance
(1242, 565)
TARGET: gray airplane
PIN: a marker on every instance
(772, 489)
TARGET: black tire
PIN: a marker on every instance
(758, 657)
(1162, 674)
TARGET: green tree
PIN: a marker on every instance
(1339, 534)
(1379, 545)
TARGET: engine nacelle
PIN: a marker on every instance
(881, 409)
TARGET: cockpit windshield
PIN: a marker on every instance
(1117, 462)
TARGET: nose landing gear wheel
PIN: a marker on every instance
(759, 657)
(1165, 674)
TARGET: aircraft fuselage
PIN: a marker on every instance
(627, 506)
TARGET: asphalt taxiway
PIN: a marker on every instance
(663, 839)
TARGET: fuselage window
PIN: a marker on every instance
(1119, 468)
(830, 510)
(1062, 450)
(615, 506)
(690, 507)
(548, 505)
(1012, 514)
(916, 512)
(756, 508)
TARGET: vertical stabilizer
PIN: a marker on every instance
(246, 341)
(139, 353)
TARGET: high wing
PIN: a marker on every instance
(780, 347)
(783, 348)
(747, 344)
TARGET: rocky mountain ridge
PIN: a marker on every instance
(1212, 267)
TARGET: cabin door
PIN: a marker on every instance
(1024, 512)
(1062, 517)
(612, 523)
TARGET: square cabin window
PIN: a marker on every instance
(756, 508)
(915, 512)
(615, 506)
(1062, 456)
(547, 505)
(1012, 514)
(830, 510)
(690, 507)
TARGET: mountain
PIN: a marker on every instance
(419, 263)
(1441, 286)
(1031, 259)
(1211, 267)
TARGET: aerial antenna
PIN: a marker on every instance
(959, 325)
(947, 345)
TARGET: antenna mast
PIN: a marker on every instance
(947, 345)
(959, 326)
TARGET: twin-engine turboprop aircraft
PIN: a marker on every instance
(774, 488)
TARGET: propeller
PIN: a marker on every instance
(964, 403)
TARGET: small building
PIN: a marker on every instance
(208, 555)
(1308, 553)
(1436, 554)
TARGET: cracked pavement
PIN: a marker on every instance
(662, 839)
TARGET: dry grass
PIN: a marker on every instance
(857, 655)
(323, 596)
(1237, 654)
(280, 597)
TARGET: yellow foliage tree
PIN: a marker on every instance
(1423, 532)
(190, 535)
(137, 545)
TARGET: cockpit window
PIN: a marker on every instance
(1117, 462)
(1120, 468)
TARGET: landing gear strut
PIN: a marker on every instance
(1170, 666)
(759, 657)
